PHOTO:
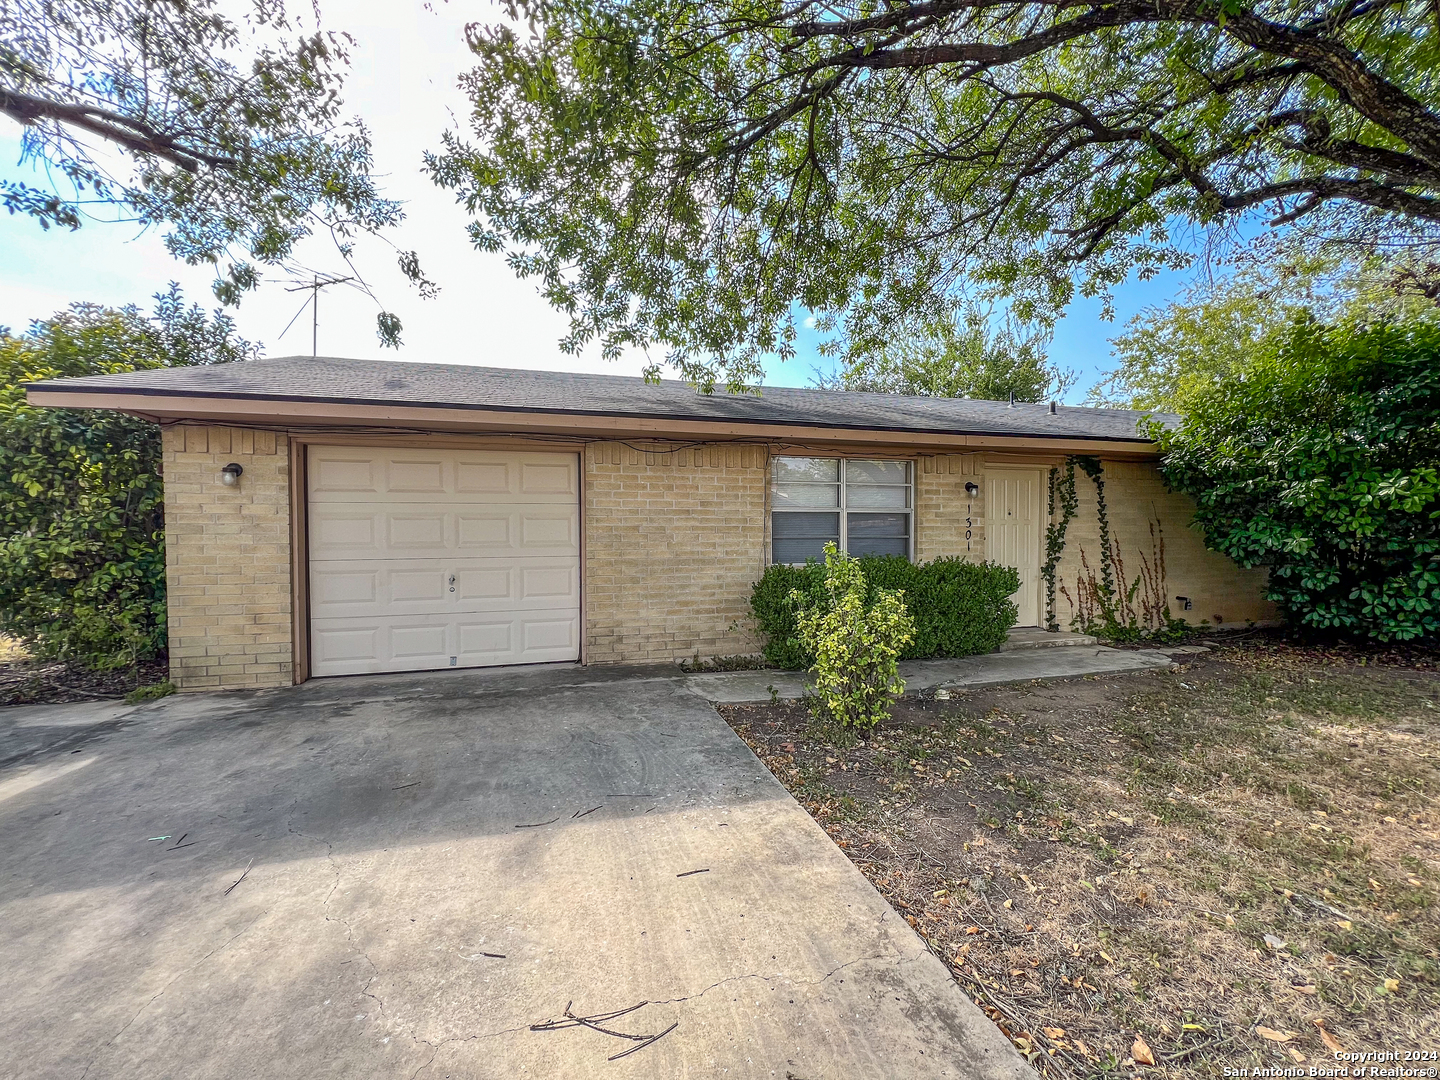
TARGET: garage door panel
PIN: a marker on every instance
(332, 477)
(353, 588)
(526, 641)
(338, 531)
(547, 582)
(480, 641)
(484, 478)
(484, 530)
(339, 647)
(425, 586)
(417, 533)
(390, 476)
(426, 642)
(485, 584)
(352, 532)
(547, 478)
(345, 644)
(425, 559)
(371, 588)
(548, 530)
(492, 531)
(366, 588)
(549, 635)
(426, 477)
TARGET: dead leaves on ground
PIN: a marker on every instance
(1331, 1043)
(1141, 1052)
(1156, 892)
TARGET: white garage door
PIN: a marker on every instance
(423, 559)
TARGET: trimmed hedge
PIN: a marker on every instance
(960, 608)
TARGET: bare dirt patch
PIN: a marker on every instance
(1236, 863)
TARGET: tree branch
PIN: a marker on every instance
(125, 131)
(1373, 97)
(1319, 188)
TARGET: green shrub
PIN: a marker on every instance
(164, 688)
(774, 610)
(857, 633)
(1321, 462)
(959, 608)
(82, 556)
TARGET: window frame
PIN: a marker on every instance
(842, 507)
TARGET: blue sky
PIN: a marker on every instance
(1082, 338)
(484, 315)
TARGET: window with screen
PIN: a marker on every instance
(864, 507)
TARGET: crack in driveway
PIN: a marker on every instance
(349, 930)
(435, 1048)
(160, 993)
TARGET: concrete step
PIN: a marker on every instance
(1032, 637)
(966, 672)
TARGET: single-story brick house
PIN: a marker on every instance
(330, 517)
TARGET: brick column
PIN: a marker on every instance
(227, 558)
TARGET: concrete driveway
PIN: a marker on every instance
(429, 865)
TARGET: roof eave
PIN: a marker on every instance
(295, 411)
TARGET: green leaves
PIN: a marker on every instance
(82, 557)
(959, 608)
(1321, 461)
(857, 633)
(228, 136)
(963, 357)
(699, 176)
(1172, 353)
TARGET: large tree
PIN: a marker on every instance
(82, 535)
(695, 172)
(1173, 355)
(969, 357)
(226, 132)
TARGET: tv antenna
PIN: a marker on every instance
(313, 287)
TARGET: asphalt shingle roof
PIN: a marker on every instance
(451, 386)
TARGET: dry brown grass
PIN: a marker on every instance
(1103, 859)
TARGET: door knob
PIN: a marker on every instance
(452, 582)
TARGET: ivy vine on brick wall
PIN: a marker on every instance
(1134, 612)
(1063, 496)
(1096, 471)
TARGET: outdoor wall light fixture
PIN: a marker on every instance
(972, 489)
(230, 474)
(1185, 604)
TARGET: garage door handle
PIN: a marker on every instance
(452, 582)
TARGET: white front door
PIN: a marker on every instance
(1013, 534)
(423, 559)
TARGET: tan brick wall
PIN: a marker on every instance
(227, 558)
(1136, 497)
(943, 512)
(673, 542)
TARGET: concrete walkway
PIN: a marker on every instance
(1020, 663)
(396, 877)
